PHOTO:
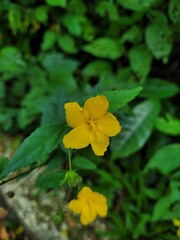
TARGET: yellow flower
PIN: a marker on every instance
(91, 124)
(89, 204)
(176, 223)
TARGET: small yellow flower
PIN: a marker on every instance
(176, 223)
(89, 204)
(91, 124)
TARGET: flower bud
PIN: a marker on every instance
(72, 179)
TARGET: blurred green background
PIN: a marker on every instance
(54, 51)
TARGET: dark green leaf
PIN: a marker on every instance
(118, 99)
(36, 148)
(57, 3)
(136, 129)
(174, 11)
(159, 89)
(158, 37)
(50, 180)
(60, 71)
(140, 60)
(97, 68)
(84, 163)
(137, 5)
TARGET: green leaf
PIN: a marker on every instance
(105, 48)
(137, 5)
(136, 129)
(74, 23)
(60, 71)
(168, 125)
(14, 18)
(41, 14)
(161, 208)
(50, 180)
(36, 148)
(11, 62)
(174, 11)
(84, 163)
(158, 38)
(119, 98)
(97, 68)
(159, 89)
(109, 8)
(3, 163)
(132, 35)
(57, 3)
(67, 43)
(49, 39)
(140, 60)
(166, 159)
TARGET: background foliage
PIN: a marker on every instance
(56, 51)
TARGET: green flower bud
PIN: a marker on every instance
(72, 179)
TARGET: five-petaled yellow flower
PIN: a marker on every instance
(91, 124)
(176, 223)
(89, 204)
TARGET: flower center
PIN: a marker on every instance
(91, 123)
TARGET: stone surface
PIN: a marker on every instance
(34, 209)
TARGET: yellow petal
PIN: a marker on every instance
(99, 142)
(85, 193)
(77, 205)
(74, 114)
(96, 106)
(109, 125)
(88, 215)
(99, 198)
(77, 138)
(101, 209)
(176, 222)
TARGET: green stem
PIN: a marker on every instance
(69, 158)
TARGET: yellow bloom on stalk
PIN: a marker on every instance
(176, 223)
(89, 204)
(92, 124)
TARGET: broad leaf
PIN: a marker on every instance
(84, 163)
(36, 148)
(159, 88)
(104, 48)
(57, 3)
(50, 180)
(161, 208)
(60, 71)
(158, 37)
(174, 11)
(168, 125)
(140, 60)
(166, 159)
(118, 99)
(137, 5)
(67, 43)
(11, 62)
(97, 68)
(136, 129)
(49, 39)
